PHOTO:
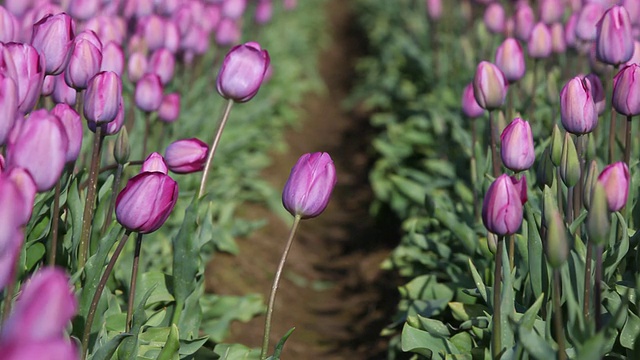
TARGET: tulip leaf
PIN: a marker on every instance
(614, 255)
(535, 253)
(129, 347)
(106, 351)
(280, 345)
(478, 282)
(630, 331)
(171, 346)
(76, 209)
(235, 352)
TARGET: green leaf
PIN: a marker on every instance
(535, 345)
(161, 283)
(129, 347)
(236, 352)
(35, 252)
(461, 230)
(106, 351)
(478, 281)
(190, 346)
(535, 253)
(423, 343)
(172, 345)
(280, 345)
(464, 312)
(527, 320)
(630, 331)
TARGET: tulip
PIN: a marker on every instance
(27, 188)
(614, 43)
(626, 97)
(494, 18)
(63, 93)
(154, 163)
(308, 189)
(85, 60)
(136, 66)
(18, 7)
(577, 107)
(233, 9)
(633, 8)
(112, 58)
(11, 242)
(171, 37)
(635, 58)
(148, 93)
(597, 91)
(517, 146)
(51, 349)
(8, 106)
(470, 106)
(8, 26)
(570, 169)
(138, 8)
(264, 11)
(510, 59)
(242, 72)
(151, 29)
(434, 9)
(186, 156)
(551, 11)
(102, 97)
(502, 206)
(26, 68)
(489, 86)
(587, 21)
(556, 244)
(289, 4)
(53, 38)
(558, 42)
(48, 85)
(108, 28)
(40, 147)
(228, 32)
(169, 110)
(570, 31)
(12, 207)
(72, 125)
(112, 127)
(162, 63)
(615, 180)
(83, 9)
(524, 20)
(146, 202)
(540, 42)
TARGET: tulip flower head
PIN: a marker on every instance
(524, 20)
(597, 91)
(489, 86)
(626, 95)
(502, 205)
(615, 180)
(242, 72)
(510, 59)
(53, 38)
(186, 156)
(102, 97)
(148, 94)
(614, 40)
(494, 18)
(517, 146)
(470, 106)
(577, 107)
(169, 110)
(308, 189)
(539, 45)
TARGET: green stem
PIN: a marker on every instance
(55, 225)
(134, 277)
(89, 205)
(557, 314)
(496, 339)
(586, 307)
(274, 288)
(627, 142)
(214, 146)
(598, 288)
(112, 203)
(96, 297)
(512, 251)
(532, 104)
(510, 104)
(569, 209)
(474, 172)
(612, 123)
(494, 152)
(147, 130)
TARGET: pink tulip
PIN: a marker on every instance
(169, 110)
(151, 28)
(233, 9)
(154, 163)
(63, 93)
(72, 125)
(626, 95)
(85, 60)
(27, 70)
(186, 156)
(510, 59)
(551, 11)
(8, 106)
(27, 189)
(502, 206)
(494, 18)
(308, 189)
(489, 86)
(615, 179)
(470, 106)
(228, 32)
(242, 72)
(102, 97)
(597, 92)
(148, 93)
(539, 44)
(162, 63)
(434, 9)
(558, 40)
(577, 107)
(524, 20)
(516, 146)
(83, 9)
(614, 41)
(53, 38)
(264, 11)
(9, 26)
(112, 58)
(589, 16)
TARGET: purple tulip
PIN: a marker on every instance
(102, 97)
(154, 163)
(626, 95)
(18, 7)
(169, 110)
(489, 86)
(27, 69)
(242, 72)
(516, 148)
(502, 206)
(53, 38)
(40, 147)
(577, 107)
(597, 92)
(12, 207)
(8, 26)
(146, 202)
(50, 350)
(72, 125)
(63, 93)
(510, 59)
(494, 18)
(85, 60)
(635, 58)
(48, 85)
(524, 20)
(558, 40)
(570, 31)
(162, 63)
(138, 8)
(11, 241)
(172, 37)
(108, 28)
(633, 8)
(83, 9)
(434, 9)
(8, 106)
(551, 11)
(614, 41)
(470, 106)
(264, 11)
(186, 156)
(151, 28)
(228, 32)
(539, 44)
(136, 66)
(112, 58)
(615, 180)
(27, 188)
(308, 189)
(148, 93)
(588, 18)
(233, 9)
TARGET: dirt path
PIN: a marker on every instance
(333, 290)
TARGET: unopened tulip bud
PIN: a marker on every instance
(146, 202)
(614, 41)
(228, 32)
(434, 9)
(122, 149)
(597, 91)
(83, 9)
(590, 181)
(172, 37)
(53, 38)
(516, 147)
(151, 29)
(148, 93)
(8, 106)
(264, 11)
(558, 42)
(570, 31)
(489, 86)
(85, 60)
(577, 107)
(587, 20)
(27, 188)
(470, 106)
(154, 162)
(590, 153)
(626, 94)
(510, 59)
(27, 72)
(494, 18)
(63, 93)
(551, 11)
(492, 242)
(48, 85)
(112, 127)
(242, 72)
(162, 63)
(615, 180)
(186, 156)
(233, 9)
(502, 207)
(570, 165)
(102, 97)
(539, 45)
(308, 189)
(556, 244)
(8, 26)
(112, 58)
(556, 145)
(169, 110)
(72, 125)
(598, 218)
(524, 20)
(136, 66)
(545, 173)
(635, 58)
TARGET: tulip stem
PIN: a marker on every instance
(89, 205)
(496, 338)
(512, 251)
(112, 202)
(598, 287)
(612, 123)
(134, 277)
(474, 171)
(627, 142)
(274, 288)
(532, 104)
(147, 129)
(494, 151)
(214, 146)
(55, 225)
(96, 297)
(586, 307)
(569, 209)
(8, 296)
(557, 315)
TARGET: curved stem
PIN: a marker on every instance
(557, 315)
(55, 224)
(112, 202)
(89, 205)
(274, 288)
(494, 151)
(496, 340)
(214, 146)
(96, 297)
(134, 277)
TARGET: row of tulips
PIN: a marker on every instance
(118, 73)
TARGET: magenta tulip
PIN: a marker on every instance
(516, 148)
(489, 86)
(85, 60)
(494, 18)
(264, 11)
(154, 163)
(470, 106)
(308, 189)
(63, 93)
(148, 93)
(102, 97)
(502, 206)
(577, 107)
(242, 72)
(614, 41)
(597, 92)
(26, 67)
(233, 9)
(83, 9)
(626, 95)
(570, 31)
(162, 63)
(27, 188)
(72, 125)
(112, 58)
(586, 25)
(169, 110)
(10, 243)
(136, 66)
(53, 38)
(510, 59)
(186, 156)
(539, 44)
(9, 26)
(524, 20)
(615, 180)
(151, 29)
(551, 11)
(227, 33)
(434, 9)
(8, 106)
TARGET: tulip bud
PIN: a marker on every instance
(151, 29)
(589, 183)
(551, 11)
(83, 9)
(570, 30)
(524, 21)
(122, 150)
(635, 58)
(11, 243)
(146, 202)
(154, 162)
(242, 72)
(85, 60)
(233, 9)
(434, 9)
(545, 173)
(172, 37)
(517, 146)
(614, 41)
(52, 37)
(558, 42)
(26, 67)
(494, 18)
(598, 218)
(308, 189)
(228, 32)
(112, 58)
(615, 180)
(510, 59)
(112, 127)
(40, 147)
(186, 156)
(556, 244)
(570, 165)
(148, 93)
(72, 125)
(102, 97)
(577, 107)
(597, 91)
(489, 86)
(470, 106)
(8, 26)
(626, 95)
(264, 11)
(539, 44)
(136, 66)
(556, 145)
(8, 106)
(587, 21)
(12, 208)
(502, 207)
(162, 64)
(63, 93)
(169, 110)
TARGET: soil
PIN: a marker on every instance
(333, 290)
